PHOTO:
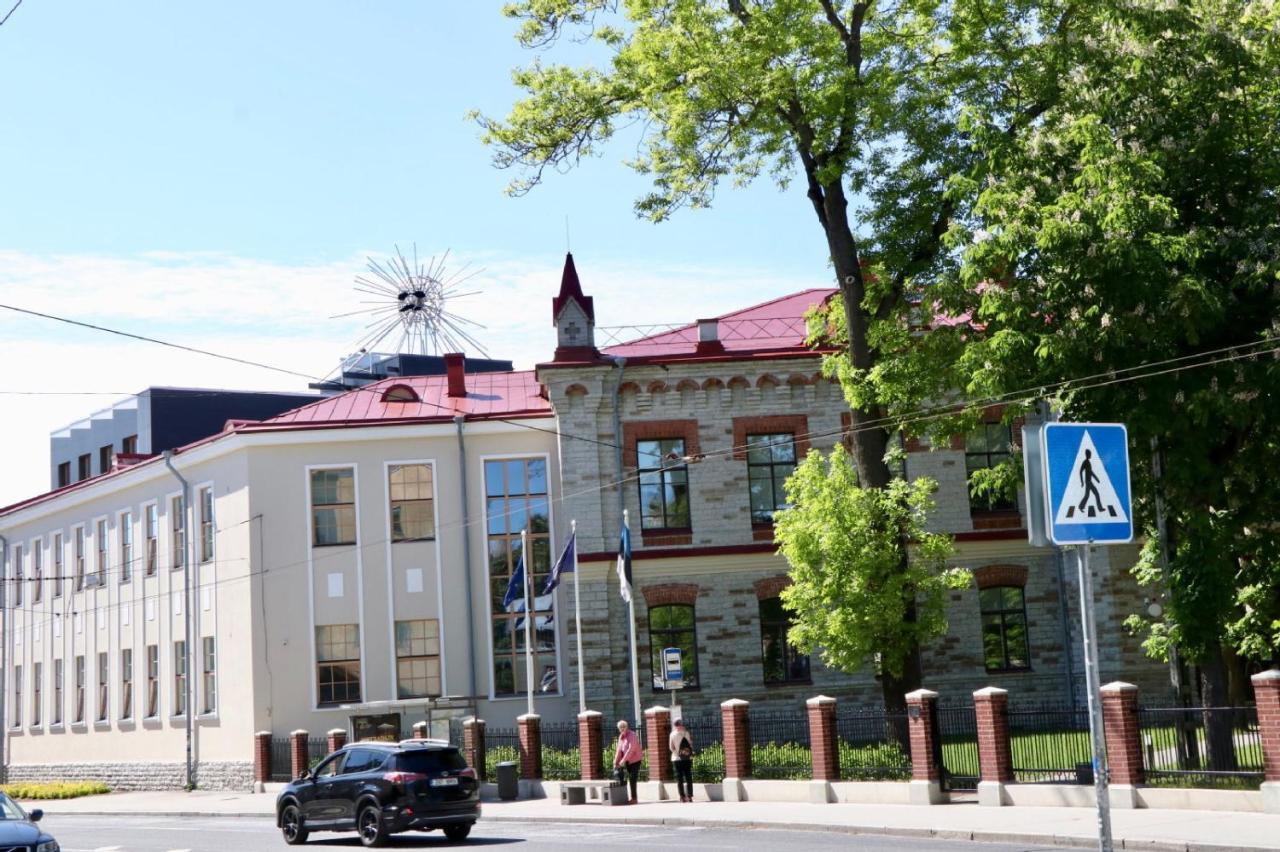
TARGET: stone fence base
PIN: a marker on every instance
(210, 775)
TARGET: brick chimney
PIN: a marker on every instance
(455, 368)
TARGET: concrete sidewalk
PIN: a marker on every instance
(1186, 831)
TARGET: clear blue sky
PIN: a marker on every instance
(300, 131)
(215, 174)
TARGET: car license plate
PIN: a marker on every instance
(444, 782)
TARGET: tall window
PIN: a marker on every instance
(206, 525)
(64, 474)
(417, 658)
(151, 522)
(664, 484)
(78, 717)
(84, 466)
(209, 670)
(79, 557)
(338, 664)
(37, 572)
(129, 445)
(153, 681)
(671, 626)
(58, 562)
(516, 499)
(986, 447)
(412, 516)
(16, 721)
(1004, 628)
(106, 458)
(782, 662)
(37, 689)
(333, 507)
(57, 692)
(100, 553)
(126, 683)
(177, 534)
(179, 678)
(126, 547)
(104, 675)
(770, 460)
(18, 577)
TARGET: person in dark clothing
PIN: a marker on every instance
(681, 744)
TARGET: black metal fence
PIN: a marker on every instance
(281, 762)
(1051, 743)
(958, 730)
(780, 745)
(1202, 746)
(873, 744)
(500, 745)
(561, 759)
(707, 733)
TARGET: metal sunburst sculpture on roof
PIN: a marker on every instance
(412, 299)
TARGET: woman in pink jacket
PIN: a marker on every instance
(628, 754)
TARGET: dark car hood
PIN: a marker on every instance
(14, 831)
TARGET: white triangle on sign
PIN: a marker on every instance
(1090, 498)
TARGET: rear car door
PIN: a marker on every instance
(355, 774)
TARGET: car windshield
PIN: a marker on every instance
(8, 810)
(428, 761)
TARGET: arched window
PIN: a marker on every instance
(400, 393)
(672, 626)
(1004, 628)
(782, 662)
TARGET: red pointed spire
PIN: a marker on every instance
(571, 289)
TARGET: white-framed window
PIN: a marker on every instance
(104, 680)
(333, 507)
(177, 534)
(126, 683)
(79, 557)
(153, 681)
(125, 525)
(16, 721)
(418, 658)
(100, 551)
(37, 685)
(337, 664)
(412, 496)
(78, 716)
(206, 524)
(151, 532)
(57, 692)
(58, 564)
(179, 678)
(18, 577)
(37, 571)
(209, 671)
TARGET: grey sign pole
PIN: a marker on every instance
(1089, 633)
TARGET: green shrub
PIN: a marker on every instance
(55, 790)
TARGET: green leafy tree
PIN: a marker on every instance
(852, 600)
(1139, 223)
(865, 102)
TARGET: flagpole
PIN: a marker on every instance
(635, 669)
(528, 617)
(577, 620)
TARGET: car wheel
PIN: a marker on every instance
(371, 826)
(291, 826)
(457, 832)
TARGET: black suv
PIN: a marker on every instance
(378, 789)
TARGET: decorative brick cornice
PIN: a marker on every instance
(642, 430)
(773, 424)
(990, 576)
(666, 594)
(769, 587)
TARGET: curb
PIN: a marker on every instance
(1059, 841)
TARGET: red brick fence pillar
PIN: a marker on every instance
(261, 761)
(530, 725)
(657, 728)
(736, 725)
(995, 752)
(824, 747)
(335, 739)
(591, 745)
(297, 752)
(1266, 694)
(926, 770)
(1124, 743)
(473, 744)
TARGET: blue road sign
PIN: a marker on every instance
(1087, 483)
(672, 668)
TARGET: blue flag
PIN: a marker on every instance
(515, 589)
(564, 565)
(624, 561)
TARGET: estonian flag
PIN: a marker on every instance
(564, 565)
(624, 561)
(515, 589)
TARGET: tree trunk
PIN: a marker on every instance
(1218, 723)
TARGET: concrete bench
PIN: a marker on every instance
(578, 792)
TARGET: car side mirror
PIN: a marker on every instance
(36, 815)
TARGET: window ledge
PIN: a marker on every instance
(1024, 670)
(79, 726)
(783, 684)
(102, 723)
(411, 540)
(330, 544)
(673, 536)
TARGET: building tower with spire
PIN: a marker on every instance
(574, 317)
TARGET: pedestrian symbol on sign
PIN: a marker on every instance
(1090, 496)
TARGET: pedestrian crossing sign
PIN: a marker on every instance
(1087, 480)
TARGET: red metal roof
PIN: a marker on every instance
(489, 395)
(774, 327)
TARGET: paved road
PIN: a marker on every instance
(233, 834)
